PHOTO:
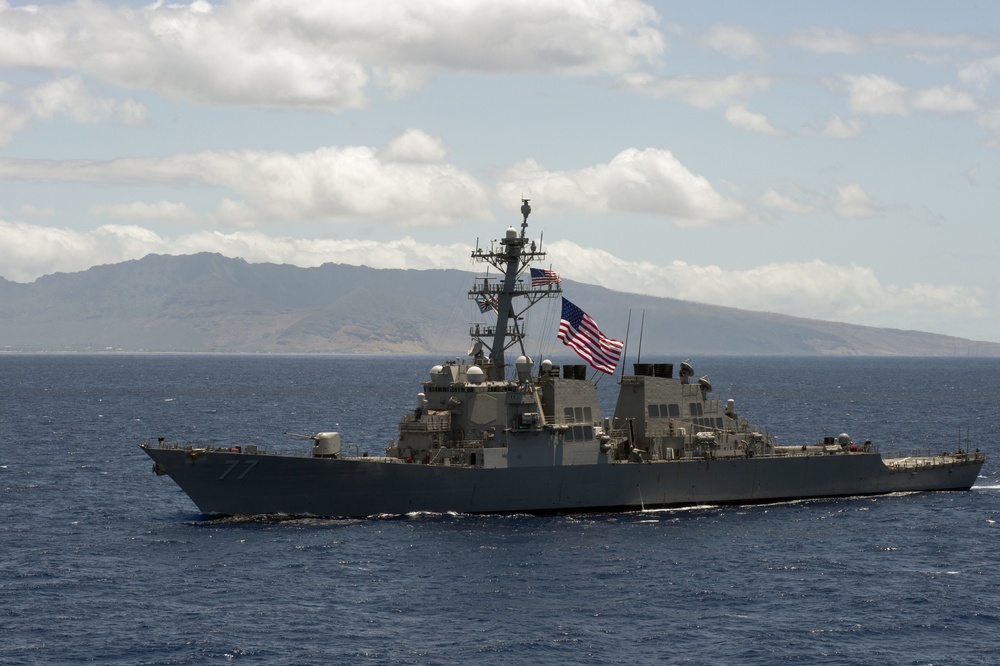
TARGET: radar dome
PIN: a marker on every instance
(475, 375)
(523, 365)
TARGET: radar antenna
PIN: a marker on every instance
(509, 295)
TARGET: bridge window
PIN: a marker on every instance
(664, 411)
(578, 414)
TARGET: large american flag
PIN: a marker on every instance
(579, 331)
(541, 277)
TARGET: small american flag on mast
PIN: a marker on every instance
(580, 332)
(542, 276)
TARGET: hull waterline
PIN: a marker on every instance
(228, 483)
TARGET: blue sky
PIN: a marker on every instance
(833, 161)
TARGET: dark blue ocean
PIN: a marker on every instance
(103, 562)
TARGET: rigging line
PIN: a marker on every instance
(541, 338)
(642, 327)
(555, 346)
(628, 326)
(457, 310)
(542, 332)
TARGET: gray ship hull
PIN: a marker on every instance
(487, 435)
(229, 483)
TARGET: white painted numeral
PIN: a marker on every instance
(250, 465)
(233, 464)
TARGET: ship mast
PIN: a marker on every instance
(512, 259)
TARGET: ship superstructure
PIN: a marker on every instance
(488, 412)
(498, 433)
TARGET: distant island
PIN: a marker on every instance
(210, 303)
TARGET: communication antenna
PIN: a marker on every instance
(625, 350)
(642, 326)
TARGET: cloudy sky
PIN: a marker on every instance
(828, 160)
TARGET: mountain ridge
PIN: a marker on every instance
(206, 302)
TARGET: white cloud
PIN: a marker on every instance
(808, 289)
(924, 40)
(68, 96)
(776, 200)
(36, 211)
(400, 80)
(323, 55)
(980, 72)
(740, 116)
(650, 181)
(702, 92)
(852, 201)
(12, 121)
(839, 128)
(733, 40)
(841, 42)
(812, 289)
(161, 211)
(256, 247)
(990, 118)
(823, 41)
(872, 93)
(30, 251)
(972, 175)
(406, 185)
(945, 100)
(875, 94)
(415, 146)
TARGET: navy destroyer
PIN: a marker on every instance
(498, 433)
